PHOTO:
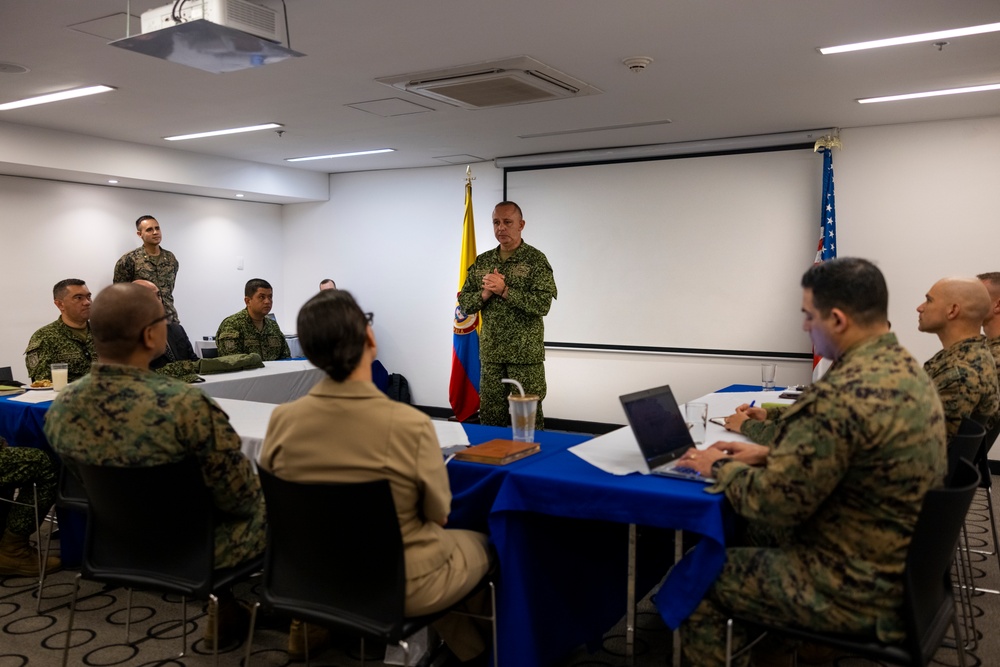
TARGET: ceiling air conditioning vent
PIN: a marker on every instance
(499, 83)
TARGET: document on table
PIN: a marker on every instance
(34, 397)
(450, 433)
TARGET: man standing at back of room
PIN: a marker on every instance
(251, 330)
(151, 262)
(513, 286)
(991, 325)
(963, 370)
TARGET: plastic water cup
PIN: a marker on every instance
(767, 376)
(696, 415)
(522, 416)
(60, 376)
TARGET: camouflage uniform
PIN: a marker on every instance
(966, 379)
(58, 343)
(126, 416)
(845, 478)
(160, 270)
(512, 340)
(19, 468)
(238, 335)
(994, 345)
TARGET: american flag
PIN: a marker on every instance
(827, 247)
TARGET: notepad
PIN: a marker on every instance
(498, 452)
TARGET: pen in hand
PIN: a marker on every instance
(752, 403)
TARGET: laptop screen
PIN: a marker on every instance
(658, 424)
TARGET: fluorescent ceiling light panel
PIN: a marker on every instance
(216, 133)
(912, 39)
(327, 157)
(930, 93)
(55, 97)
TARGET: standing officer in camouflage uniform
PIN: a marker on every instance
(68, 339)
(841, 481)
(124, 415)
(991, 325)
(150, 262)
(250, 330)
(513, 286)
(964, 371)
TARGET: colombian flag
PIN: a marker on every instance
(463, 392)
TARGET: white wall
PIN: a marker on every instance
(918, 199)
(52, 230)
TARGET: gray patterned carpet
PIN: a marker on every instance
(98, 639)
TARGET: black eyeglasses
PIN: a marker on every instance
(369, 317)
(142, 332)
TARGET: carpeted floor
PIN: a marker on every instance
(28, 638)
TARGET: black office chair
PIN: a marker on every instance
(153, 528)
(353, 574)
(928, 605)
(982, 461)
(6, 374)
(70, 496)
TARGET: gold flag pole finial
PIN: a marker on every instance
(829, 141)
(468, 174)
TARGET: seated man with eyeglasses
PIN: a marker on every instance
(124, 415)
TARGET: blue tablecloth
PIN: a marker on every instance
(560, 528)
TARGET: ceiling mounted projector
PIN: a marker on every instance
(212, 35)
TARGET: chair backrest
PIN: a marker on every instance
(347, 569)
(929, 604)
(150, 527)
(984, 459)
(965, 444)
(6, 374)
(71, 492)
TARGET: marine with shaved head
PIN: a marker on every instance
(964, 370)
(124, 415)
(991, 325)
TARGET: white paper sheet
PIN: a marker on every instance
(450, 433)
(43, 396)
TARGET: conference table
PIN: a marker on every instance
(560, 526)
(277, 382)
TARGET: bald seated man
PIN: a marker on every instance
(124, 415)
(991, 325)
(964, 370)
(178, 345)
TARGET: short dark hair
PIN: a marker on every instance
(255, 284)
(327, 280)
(993, 277)
(510, 203)
(332, 330)
(60, 288)
(141, 218)
(853, 285)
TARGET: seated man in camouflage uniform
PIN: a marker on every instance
(991, 325)
(20, 468)
(250, 330)
(964, 370)
(837, 483)
(122, 414)
(68, 339)
(513, 287)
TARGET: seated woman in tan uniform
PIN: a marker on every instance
(346, 430)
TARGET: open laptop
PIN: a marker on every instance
(661, 431)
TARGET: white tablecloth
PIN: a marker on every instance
(277, 382)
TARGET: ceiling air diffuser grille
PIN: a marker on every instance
(496, 84)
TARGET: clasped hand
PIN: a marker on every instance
(744, 452)
(493, 283)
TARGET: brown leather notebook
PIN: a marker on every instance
(498, 452)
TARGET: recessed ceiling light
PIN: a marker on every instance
(327, 157)
(216, 133)
(912, 39)
(55, 97)
(239, 195)
(112, 181)
(930, 93)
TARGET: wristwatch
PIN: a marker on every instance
(717, 466)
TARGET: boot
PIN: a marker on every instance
(233, 618)
(20, 558)
(319, 637)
